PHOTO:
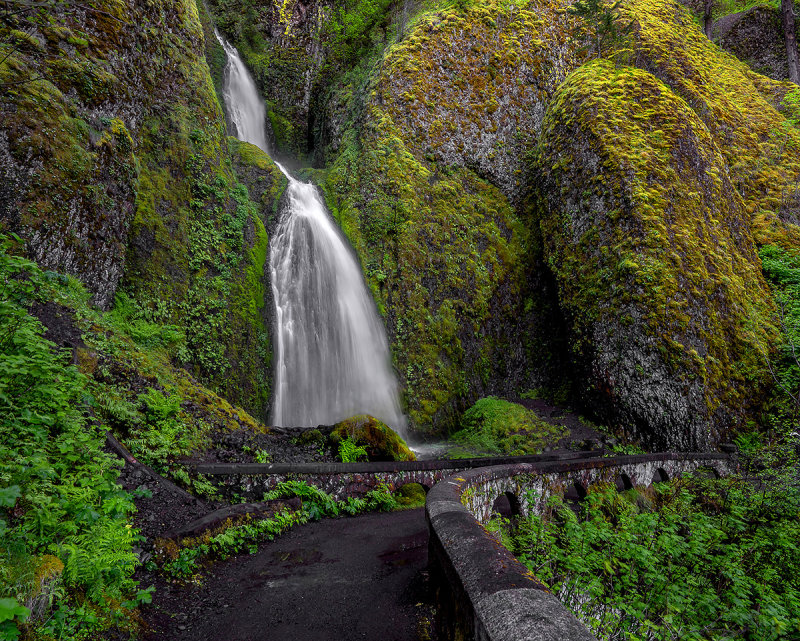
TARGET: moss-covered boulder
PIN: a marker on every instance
(381, 441)
(468, 86)
(751, 118)
(496, 426)
(650, 243)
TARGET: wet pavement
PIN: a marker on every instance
(334, 580)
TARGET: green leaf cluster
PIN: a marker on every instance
(349, 452)
(693, 559)
(318, 504)
(58, 492)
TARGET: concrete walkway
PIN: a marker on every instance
(334, 580)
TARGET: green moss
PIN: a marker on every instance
(740, 108)
(410, 495)
(381, 442)
(653, 257)
(434, 276)
(495, 426)
(159, 201)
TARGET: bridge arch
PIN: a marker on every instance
(424, 484)
(660, 476)
(506, 505)
(623, 482)
(575, 491)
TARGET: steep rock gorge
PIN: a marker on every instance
(437, 167)
(460, 150)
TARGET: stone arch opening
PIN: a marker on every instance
(623, 482)
(660, 476)
(506, 505)
(574, 493)
(707, 472)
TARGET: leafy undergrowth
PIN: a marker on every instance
(187, 560)
(782, 270)
(495, 426)
(66, 540)
(690, 559)
(66, 558)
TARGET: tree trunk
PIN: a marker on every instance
(708, 5)
(787, 13)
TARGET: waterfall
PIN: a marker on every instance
(332, 357)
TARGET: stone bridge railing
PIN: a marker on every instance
(483, 592)
(340, 480)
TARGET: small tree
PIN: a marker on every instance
(601, 20)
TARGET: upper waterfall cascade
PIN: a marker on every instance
(332, 356)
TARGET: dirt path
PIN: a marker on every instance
(335, 580)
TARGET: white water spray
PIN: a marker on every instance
(332, 357)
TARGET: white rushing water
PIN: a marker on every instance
(332, 357)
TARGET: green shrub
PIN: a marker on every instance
(495, 426)
(58, 490)
(693, 559)
(782, 270)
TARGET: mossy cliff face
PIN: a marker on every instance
(123, 177)
(281, 43)
(423, 185)
(470, 88)
(68, 172)
(651, 246)
(444, 253)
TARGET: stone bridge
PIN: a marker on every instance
(483, 593)
(340, 480)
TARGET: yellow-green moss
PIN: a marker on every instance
(654, 258)
(496, 426)
(740, 108)
(436, 246)
(381, 442)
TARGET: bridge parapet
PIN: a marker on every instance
(546, 479)
(340, 480)
(483, 592)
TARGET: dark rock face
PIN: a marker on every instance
(668, 314)
(755, 36)
(283, 45)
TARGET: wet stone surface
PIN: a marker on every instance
(338, 579)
